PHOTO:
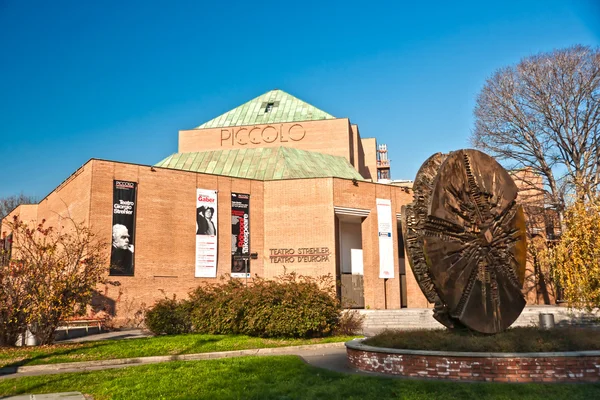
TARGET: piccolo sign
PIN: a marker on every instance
(300, 255)
(263, 134)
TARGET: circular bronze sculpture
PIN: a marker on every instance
(465, 240)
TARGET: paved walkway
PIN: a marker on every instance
(48, 396)
(114, 335)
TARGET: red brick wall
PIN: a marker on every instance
(287, 214)
(538, 288)
(299, 215)
(369, 146)
(165, 228)
(359, 154)
(489, 369)
(71, 199)
(25, 212)
(363, 196)
(356, 161)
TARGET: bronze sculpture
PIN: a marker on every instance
(465, 240)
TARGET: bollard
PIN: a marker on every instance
(27, 339)
(30, 339)
(546, 320)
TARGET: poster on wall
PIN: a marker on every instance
(5, 249)
(386, 241)
(240, 235)
(206, 233)
(123, 228)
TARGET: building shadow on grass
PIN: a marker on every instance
(198, 342)
(12, 367)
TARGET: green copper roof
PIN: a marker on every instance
(263, 164)
(272, 107)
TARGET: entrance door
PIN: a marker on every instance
(351, 261)
(402, 266)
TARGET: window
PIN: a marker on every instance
(269, 107)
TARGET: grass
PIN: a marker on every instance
(144, 347)
(282, 377)
(515, 340)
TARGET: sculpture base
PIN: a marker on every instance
(582, 366)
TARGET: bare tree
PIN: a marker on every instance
(7, 204)
(544, 115)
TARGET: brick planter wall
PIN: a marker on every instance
(581, 366)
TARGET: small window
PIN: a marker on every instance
(269, 107)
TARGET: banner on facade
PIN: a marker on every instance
(240, 235)
(386, 241)
(5, 249)
(206, 233)
(123, 228)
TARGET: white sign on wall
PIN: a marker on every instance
(356, 259)
(386, 241)
(206, 233)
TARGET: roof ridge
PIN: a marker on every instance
(288, 170)
(286, 108)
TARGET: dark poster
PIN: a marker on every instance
(5, 249)
(123, 228)
(240, 235)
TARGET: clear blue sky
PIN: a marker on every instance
(118, 79)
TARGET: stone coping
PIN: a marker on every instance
(357, 344)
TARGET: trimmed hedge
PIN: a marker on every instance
(288, 306)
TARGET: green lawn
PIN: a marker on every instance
(144, 347)
(282, 377)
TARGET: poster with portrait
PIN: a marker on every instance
(386, 241)
(123, 228)
(206, 233)
(240, 235)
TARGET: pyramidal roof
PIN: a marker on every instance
(272, 107)
(267, 164)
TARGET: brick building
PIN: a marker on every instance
(312, 204)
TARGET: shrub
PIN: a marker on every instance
(16, 303)
(350, 323)
(218, 308)
(50, 277)
(169, 317)
(288, 306)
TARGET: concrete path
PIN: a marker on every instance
(114, 335)
(48, 396)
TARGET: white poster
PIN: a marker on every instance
(206, 233)
(356, 257)
(386, 241)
